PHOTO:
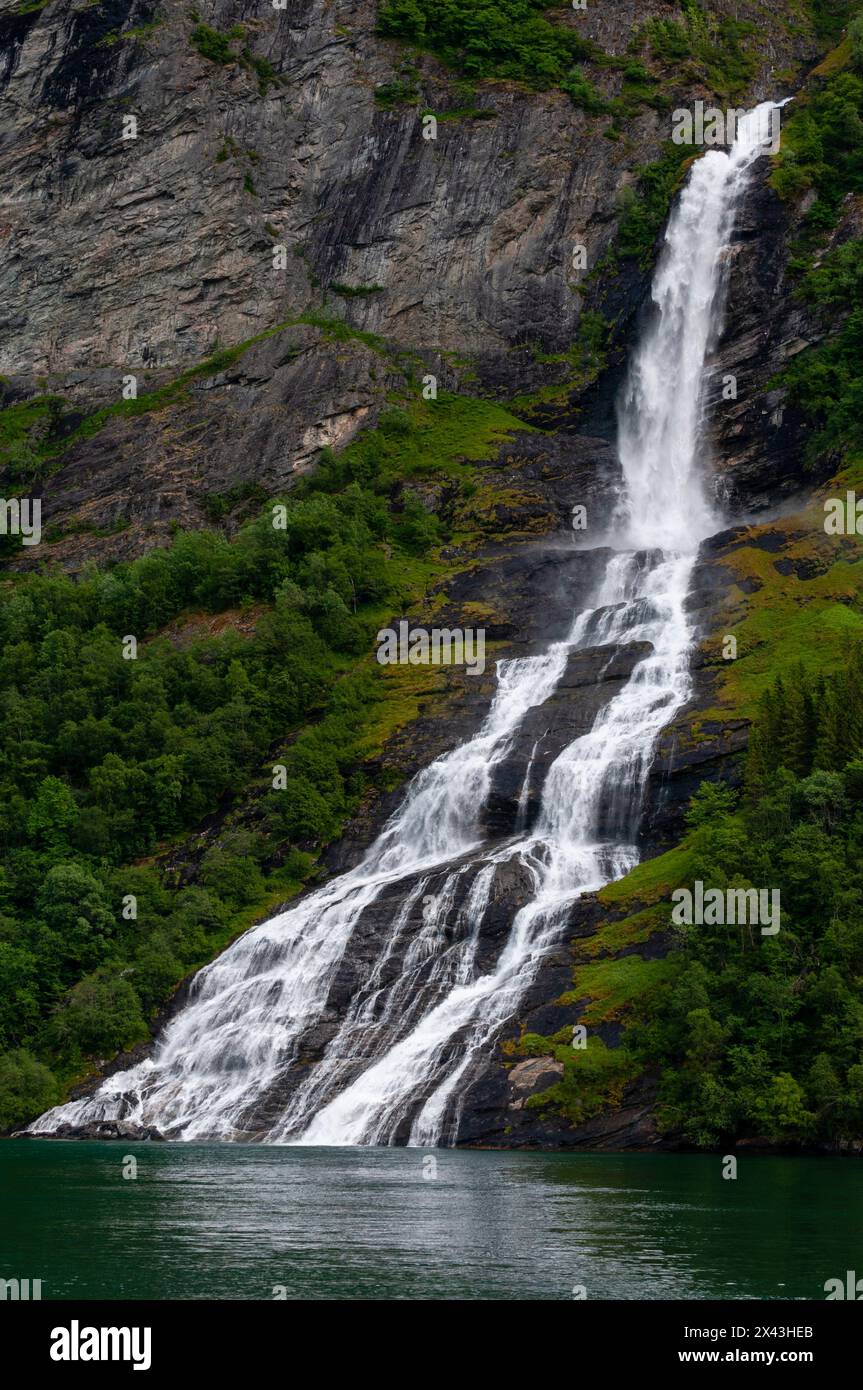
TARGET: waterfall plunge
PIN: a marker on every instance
(419, 1037)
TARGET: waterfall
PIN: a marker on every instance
(230, 1065)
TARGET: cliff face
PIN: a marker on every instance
(146, 256)
(143, 256)
(136, 253)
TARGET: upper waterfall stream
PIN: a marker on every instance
(397, 1061)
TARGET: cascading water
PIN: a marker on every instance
(406, 1046)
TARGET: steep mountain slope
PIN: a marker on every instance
(154, 257)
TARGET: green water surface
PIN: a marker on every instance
(226, 1222)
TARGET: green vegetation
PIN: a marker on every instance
(822, 147)
(701, 45)
(27, 1087)
(106, 760)
(354, 291)
(585, 358)
(822, 155)
(753, 1036)
(27, 431)
(425, 439)
(217, 46)
(104, 757)
(762, 1036)
(398, 93)
(35, 434)
(488, 38)
(584, 94)
(830, 17)
(263, 69)
(465, 113)
(515, 40)
(827, 381)
(218, 505)
(137, 34)
(646, 208)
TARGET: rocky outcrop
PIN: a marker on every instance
(255, 425)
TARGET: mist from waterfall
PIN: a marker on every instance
(405, 1048)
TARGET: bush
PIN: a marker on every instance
(101, 1015)
(213, 45)
(488, 38)
(231, 873)
(27, 1088)
(584, 93)
(647, 206)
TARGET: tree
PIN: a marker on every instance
(74, 906)
(781, 1111)
(52, 815)
(100, 1015)
(27, 1087)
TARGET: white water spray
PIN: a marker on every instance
(407, 1045)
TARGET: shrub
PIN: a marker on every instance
(27, 1088)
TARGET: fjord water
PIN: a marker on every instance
(407, 1048)
(228, 1221)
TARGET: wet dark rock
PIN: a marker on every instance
(591, 680)
(100, 1129)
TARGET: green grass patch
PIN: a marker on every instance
(651, 880)
(585, 359)
(787, 622)
(615, 987)
(594, 1079)
(426, 438)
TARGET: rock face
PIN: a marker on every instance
(142, 252)
(142, 476)
(143, 256)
